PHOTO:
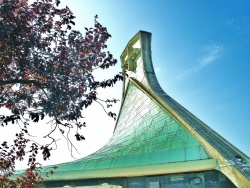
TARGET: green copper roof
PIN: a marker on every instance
(154, 134)
(145, 135)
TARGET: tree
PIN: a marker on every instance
(47, 70)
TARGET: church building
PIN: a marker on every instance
(157, 143)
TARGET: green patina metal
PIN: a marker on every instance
(145, 135)
(154, 134)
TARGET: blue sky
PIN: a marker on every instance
(200, 51)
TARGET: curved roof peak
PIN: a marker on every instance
(154, 134)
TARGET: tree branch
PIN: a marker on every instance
(38, 84)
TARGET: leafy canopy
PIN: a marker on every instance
(46, 69)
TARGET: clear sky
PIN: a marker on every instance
(201, 55)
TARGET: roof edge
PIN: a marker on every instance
(171, 168)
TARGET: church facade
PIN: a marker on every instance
(157, 143)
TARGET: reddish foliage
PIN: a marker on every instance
(8, 156)
(46, 69)
(51, 64)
